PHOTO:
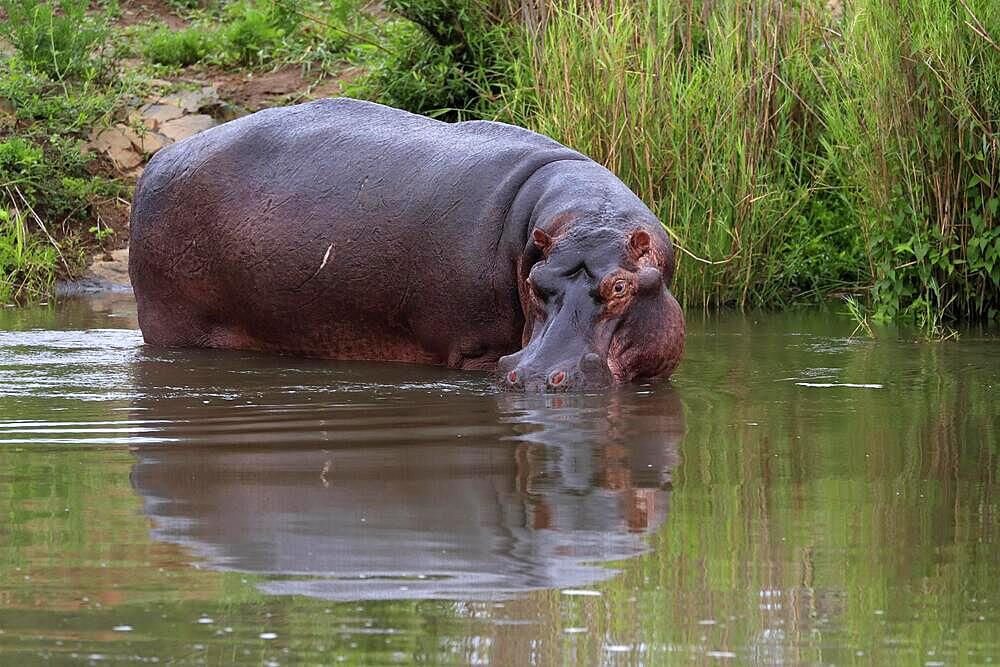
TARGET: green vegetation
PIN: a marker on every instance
(793, 151)
(26, 264)
(444, 58)
(179, 48)
(49, 194)
(254, 30)
(856, 311)
(242, 34)
(913, 125)
(56, 38)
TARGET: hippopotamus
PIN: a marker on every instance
(345, 229)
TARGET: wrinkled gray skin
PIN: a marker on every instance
(349, 230)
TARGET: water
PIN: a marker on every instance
(794, 496)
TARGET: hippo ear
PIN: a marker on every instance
(542, 240)
(638, 244)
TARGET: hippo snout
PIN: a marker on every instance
(589, 372)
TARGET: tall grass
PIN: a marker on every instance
(790, 149)
(27, 265)
(913, 128)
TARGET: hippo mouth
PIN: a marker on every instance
(552, 364)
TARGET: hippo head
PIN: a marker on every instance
(597, 308)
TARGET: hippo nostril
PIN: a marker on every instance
(557, 378)
(512, 377)
(507, 363)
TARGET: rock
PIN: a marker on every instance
(147, 142)
(113, 271)
(182, 128)
(114, 143)
(192, 101)
(154, 115)
(91, 287)
(154, 141)
(160, 83)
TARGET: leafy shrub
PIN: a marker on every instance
(44, 172)
(182, 48)
(20, 162)
(51, 173)
(59, 40)
(255, 30)
(442, 59)
(420, 74)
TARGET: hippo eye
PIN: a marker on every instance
(618, 288)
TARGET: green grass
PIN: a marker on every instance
(255, 29)
(178, 48)
(57, 38)
(260, 35)
(26, 264)
(856, 311)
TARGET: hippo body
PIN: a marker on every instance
(349, 230)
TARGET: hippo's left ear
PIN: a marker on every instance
(638, 244)
(542, 240)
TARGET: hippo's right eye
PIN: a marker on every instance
(619, 288)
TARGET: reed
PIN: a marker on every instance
(790, 149)
(912, 126)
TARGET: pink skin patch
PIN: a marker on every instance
(557, 378)
(512, 377)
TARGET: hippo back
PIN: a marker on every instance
(337, 228)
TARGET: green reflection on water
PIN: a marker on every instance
(806, 524)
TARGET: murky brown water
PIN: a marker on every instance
(793, 496)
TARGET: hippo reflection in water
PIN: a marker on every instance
(343, 229)
(377, 502)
